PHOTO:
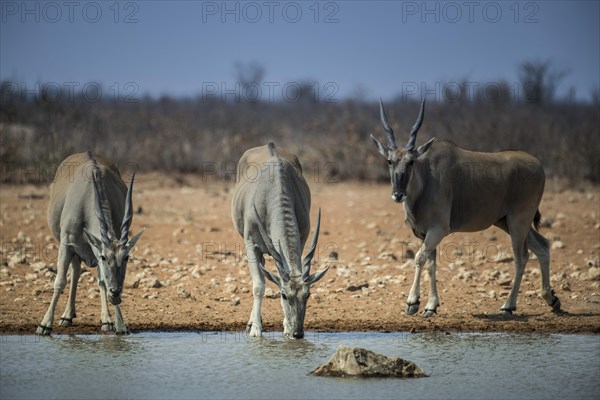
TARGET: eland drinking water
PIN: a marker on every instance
(447, 189)
(90, 212)
(271, 211)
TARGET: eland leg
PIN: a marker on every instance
(518, 237)
(541, 248)
(255, 259)
(69, 314)
(105, 321)
(432, 240)
(412, 302)
(434, 301)
(427, 252)
(64, 258)
(120, 328)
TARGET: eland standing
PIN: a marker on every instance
(271, 211)
(447, 189)
(90, 212)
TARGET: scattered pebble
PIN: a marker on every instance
(504, 258)
(594, 274)
(559, 277)
(31, 277)
(386, 255)
(230, 288)
(505, 282)
(198, 271)
(39, 266)
(464, 274)
(576, 275)
(356, 287)
(182, 293)
(177, 276)
(151, 283)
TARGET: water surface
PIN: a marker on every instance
(231, 365)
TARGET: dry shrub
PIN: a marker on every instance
(331, 139)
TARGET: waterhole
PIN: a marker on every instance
(232, 365)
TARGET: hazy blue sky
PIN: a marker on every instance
(377, 48)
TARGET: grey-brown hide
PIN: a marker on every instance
(90, 212)
(447, 189)
(271, 211)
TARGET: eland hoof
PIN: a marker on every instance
(429, 313)
(412, 309)
(43, 330)
(123, 331)
(506, 312)
(255, 331)
(556, 306)
(107, 327)
(66, 322)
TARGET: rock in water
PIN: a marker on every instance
(357, 362)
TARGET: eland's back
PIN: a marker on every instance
(473, 190)
(271, 181)
(72, 195)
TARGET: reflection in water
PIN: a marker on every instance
(107, 344)
(283, 349)
(232, 365)
(459, 344)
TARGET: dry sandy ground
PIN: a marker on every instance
(189, 273)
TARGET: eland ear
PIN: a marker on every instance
(93, 240)
(271, 276)
(131, 243)
(315, 277)
(382, 150)
(424, 147)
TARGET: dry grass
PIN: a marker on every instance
(332, 139)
